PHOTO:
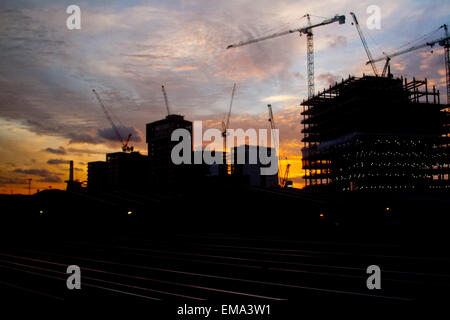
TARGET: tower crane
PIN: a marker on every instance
(310, 44)
(271, 119)
(443, 41)
(125, 146)
(446, 45)
(363, 40)
(225, 124)
(166, 101)
(273, 127)
(285, 182)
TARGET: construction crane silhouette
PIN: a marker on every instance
(282, 180)
(125, 144)
(443, 41)
(166, 100)
(363, 40)
(225, 125)
(273, 128)
(310, 43)
(285, 182)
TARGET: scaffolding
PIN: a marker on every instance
(376, 134)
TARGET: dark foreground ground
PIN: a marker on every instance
(285, 249)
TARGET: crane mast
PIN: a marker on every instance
(271, 119)
(363, 40)
(310, 44)
(310, 58)
(225, 124)
(446, 45)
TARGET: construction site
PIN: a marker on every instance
(375, 165)
(376, 134)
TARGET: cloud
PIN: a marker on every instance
(86, 151)
(82, 138)
(57, 161)
(9, 180)
(185, 68)
(145, 56)
(327, 79)
(280, 98)
(60, 150)
(336, 41)
(51, 179)
(46, 176)
(110, 134)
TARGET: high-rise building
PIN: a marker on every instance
(164, 173)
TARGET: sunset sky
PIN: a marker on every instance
(127, 49)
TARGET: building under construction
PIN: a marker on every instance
(376, 134)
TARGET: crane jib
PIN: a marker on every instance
(305, 30)
(440, 41)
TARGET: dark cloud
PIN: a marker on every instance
(60, 150)
(85, 151)
(37, 92)
(57, 161)
(46, 176)
(8, 180)
(110, 135)
(82, 138)
(52, 179)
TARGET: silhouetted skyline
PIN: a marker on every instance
(127, 49)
